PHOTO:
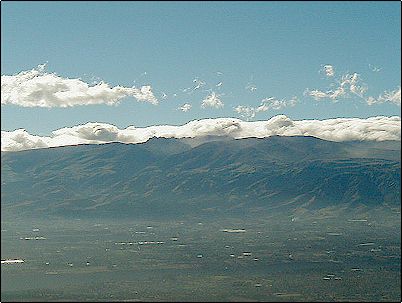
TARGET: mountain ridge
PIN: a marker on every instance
(201, 176)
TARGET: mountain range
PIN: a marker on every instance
(205, 176)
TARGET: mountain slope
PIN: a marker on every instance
(217, 175)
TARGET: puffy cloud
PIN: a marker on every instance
(329, 70)
(90, 132)
(212, 100)
(185, 107)
(348, 85)
(392, 97)
(339, 129)
(265, 105)
(20, 139)
(36, 88)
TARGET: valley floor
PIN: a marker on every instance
(294, 257)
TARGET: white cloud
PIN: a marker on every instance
(374, 68)
(185, 107)
(251, 87)
(20, 139)
(265, 105)
(317, 94)
(354, 83)
(271, 102)
(212, 100)
(391, 97)
(245, 111)
(329, 70)
(339, 129)
(348, 85)
(198, 84)
(36, 88)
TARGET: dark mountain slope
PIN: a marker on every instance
(179, 176)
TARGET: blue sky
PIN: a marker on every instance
(280, 47)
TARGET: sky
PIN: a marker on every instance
(148, 63)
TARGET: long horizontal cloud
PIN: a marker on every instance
(36, 88)
(339, 129)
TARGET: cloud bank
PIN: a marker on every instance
(340, 129)
(36, 88)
